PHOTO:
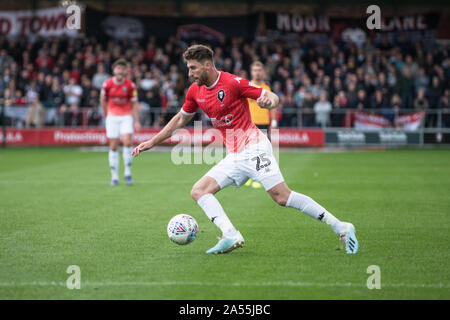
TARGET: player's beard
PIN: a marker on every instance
(202, 79)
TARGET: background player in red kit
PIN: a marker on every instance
(119, 101)
(223, 97)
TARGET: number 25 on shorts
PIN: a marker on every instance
(261, 161)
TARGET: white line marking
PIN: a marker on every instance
(103, 182)
(231, 284)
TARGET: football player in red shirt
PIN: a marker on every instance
(120, 105)
(223, 97)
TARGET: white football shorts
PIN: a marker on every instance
(255, 161)
(117, 126)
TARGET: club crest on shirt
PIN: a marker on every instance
(228, 118)
(223, 121)
(124, 89)
(221, 95)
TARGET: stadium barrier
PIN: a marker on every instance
(295, 117)
(353, 128)
(408, 119)
(351, 137)
(289, 116)
(286, 137)
(96, 136)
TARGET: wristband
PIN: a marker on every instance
(274, 123)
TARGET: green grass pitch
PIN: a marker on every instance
(57, 209)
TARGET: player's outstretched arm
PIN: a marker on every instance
(177, 122)
(269, 100)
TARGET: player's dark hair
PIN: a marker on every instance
(120, 62)
(199, 53)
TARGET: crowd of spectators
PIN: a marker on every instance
(59, 79)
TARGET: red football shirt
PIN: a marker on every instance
(119, 96)
(225, 103)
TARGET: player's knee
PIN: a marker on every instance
(280, 198)
(127, 142)
(196, 193)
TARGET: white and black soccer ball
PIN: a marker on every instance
(182, 229)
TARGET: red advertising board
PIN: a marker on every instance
(89, 136)
(301, 137)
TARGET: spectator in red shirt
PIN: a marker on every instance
(19, 99)
(44, 60)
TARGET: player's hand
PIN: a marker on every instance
(263, 101)
(137, 126)
(140, 148)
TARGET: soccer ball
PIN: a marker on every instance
(182, 229)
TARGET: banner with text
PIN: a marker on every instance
(42, 22)
(410, 121)
(366, 121)
(415, 27)
(386, 137)
(41, 137)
